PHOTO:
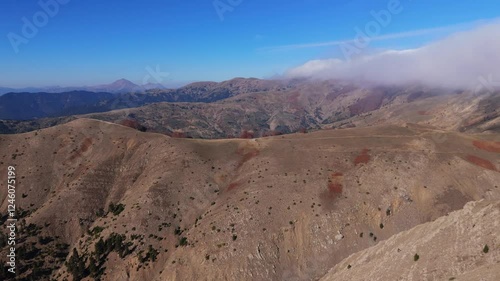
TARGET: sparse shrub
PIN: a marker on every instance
(44, 240)
(100, 212)
(94, 270)
(76, 266)
(247, 135)
(96, 230)
(416, 257)
(177, 231)
(183, 241)
(116, 209)
(486, 249)
(152, 253)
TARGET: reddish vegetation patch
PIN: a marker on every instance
(488, 146)
(84, 147)
(177, 134)
(293, 100)
(247, 135)
(331, 96)
(481, 162)
(246, 154)
(363, 157)
(247, 157)
(134, 124)
(335, 186)
(129, 123)
(367, 104)
(232, 186)
(423, 112)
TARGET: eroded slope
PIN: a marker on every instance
(142, 206)
(461, 246)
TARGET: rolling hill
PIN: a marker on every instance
(100, 200)
(261, 108)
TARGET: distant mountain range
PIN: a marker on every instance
(258, 107)
(119, 86)
(124, 94)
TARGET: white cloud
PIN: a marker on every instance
(458, 60)
(407, 34)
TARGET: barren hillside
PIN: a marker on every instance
(461, 246)
(118, 204)
(313, 107)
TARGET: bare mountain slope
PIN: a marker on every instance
(466, 111)
(270, 107)
(316, 106)
(461, 246)
(143, 206)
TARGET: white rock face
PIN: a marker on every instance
(450, 248)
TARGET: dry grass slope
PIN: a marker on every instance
(279, 208)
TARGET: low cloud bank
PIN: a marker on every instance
(463, 59)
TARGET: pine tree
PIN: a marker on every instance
(93, 268)
(76, 266)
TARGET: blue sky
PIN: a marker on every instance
(94, 41)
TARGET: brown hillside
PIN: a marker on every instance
(450, 248)
(241, 209)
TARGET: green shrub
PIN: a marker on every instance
(178, 231)
(96, 230)
(76, 266)
(486, 249)
(116, 209)
(416, 257)
(183, 241)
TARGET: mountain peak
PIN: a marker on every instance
(119, 86)
(123, 82)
